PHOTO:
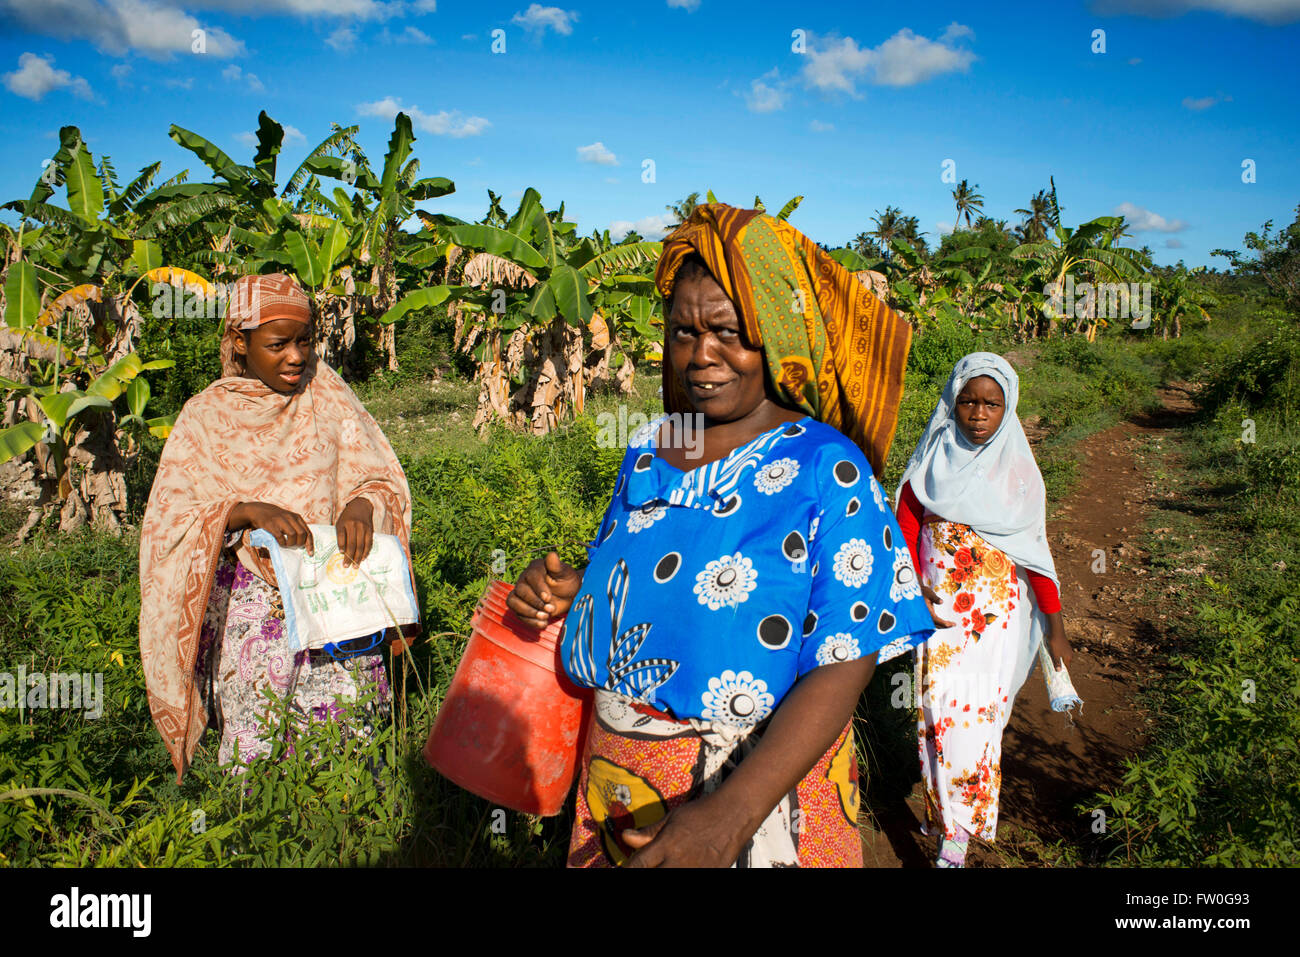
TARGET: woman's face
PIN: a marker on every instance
(980, 407)
(277, 352)
(721, 374)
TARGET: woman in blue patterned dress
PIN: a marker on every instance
(741, 588)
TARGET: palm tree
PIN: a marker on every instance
(910, 232)
(866, 246)
(889, 225)
(1037, 218)
(682, 211)
(968, 200)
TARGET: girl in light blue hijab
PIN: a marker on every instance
(973, 511)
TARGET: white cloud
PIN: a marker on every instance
(342, 39)
(476, 161)
(426, 6)
(611, 179)
(651, 227)
(538, 18)
(1172, 243)
(690, 6)
(956, 31)
(386, 108)
(817, 126)
(1204, 102)
(1264, 11)
(120, 72)
(764, 96)
(247, 139)
(597, 153)
(1143, 220)
(832, 67)
(408, 35)
(444, 123)
(37, 76)
(379, 10)
(943, 228)
(1134, 61)
(905, 59)
(155, 28)
(234, 74)
(185, 84)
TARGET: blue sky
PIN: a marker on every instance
(715, 94)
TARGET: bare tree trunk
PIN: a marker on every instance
(386, 282)
(336, 329)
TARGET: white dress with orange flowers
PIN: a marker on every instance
(966, 676)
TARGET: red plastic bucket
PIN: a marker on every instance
(511, 726)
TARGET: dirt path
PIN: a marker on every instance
(1050, 762)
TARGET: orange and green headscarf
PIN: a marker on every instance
(832, 348)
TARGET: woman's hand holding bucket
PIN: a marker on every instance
(544, 591)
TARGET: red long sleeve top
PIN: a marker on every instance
(910, 514)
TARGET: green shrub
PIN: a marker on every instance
(1265, 375)
(938, 345)
(1222, 787)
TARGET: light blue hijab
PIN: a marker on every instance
(995, 488)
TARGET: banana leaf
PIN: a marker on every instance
(422, 299)
(146, 255)
(499, 242)
(306, 258)
(541, 305)
(22, 296)
(17, 439)
(85, 191)
(570, 290)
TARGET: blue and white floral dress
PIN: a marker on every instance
(709, 593)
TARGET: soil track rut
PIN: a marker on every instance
(1052, 761)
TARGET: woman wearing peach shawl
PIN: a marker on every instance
(279, 437)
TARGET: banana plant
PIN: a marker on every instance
(93, 252)
(389, 201)
(569, 280)
(554, 284)
(1083, 249)
(1175, 299)
(64, 412)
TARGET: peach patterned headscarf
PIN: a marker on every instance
(311, 451)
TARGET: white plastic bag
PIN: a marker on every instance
(1060, 689)
(326, 601)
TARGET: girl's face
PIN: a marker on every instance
(979, 410)
(722, 375)
(277, 352)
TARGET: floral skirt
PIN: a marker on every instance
(639, 764)
(244, 654)
(965, 677)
